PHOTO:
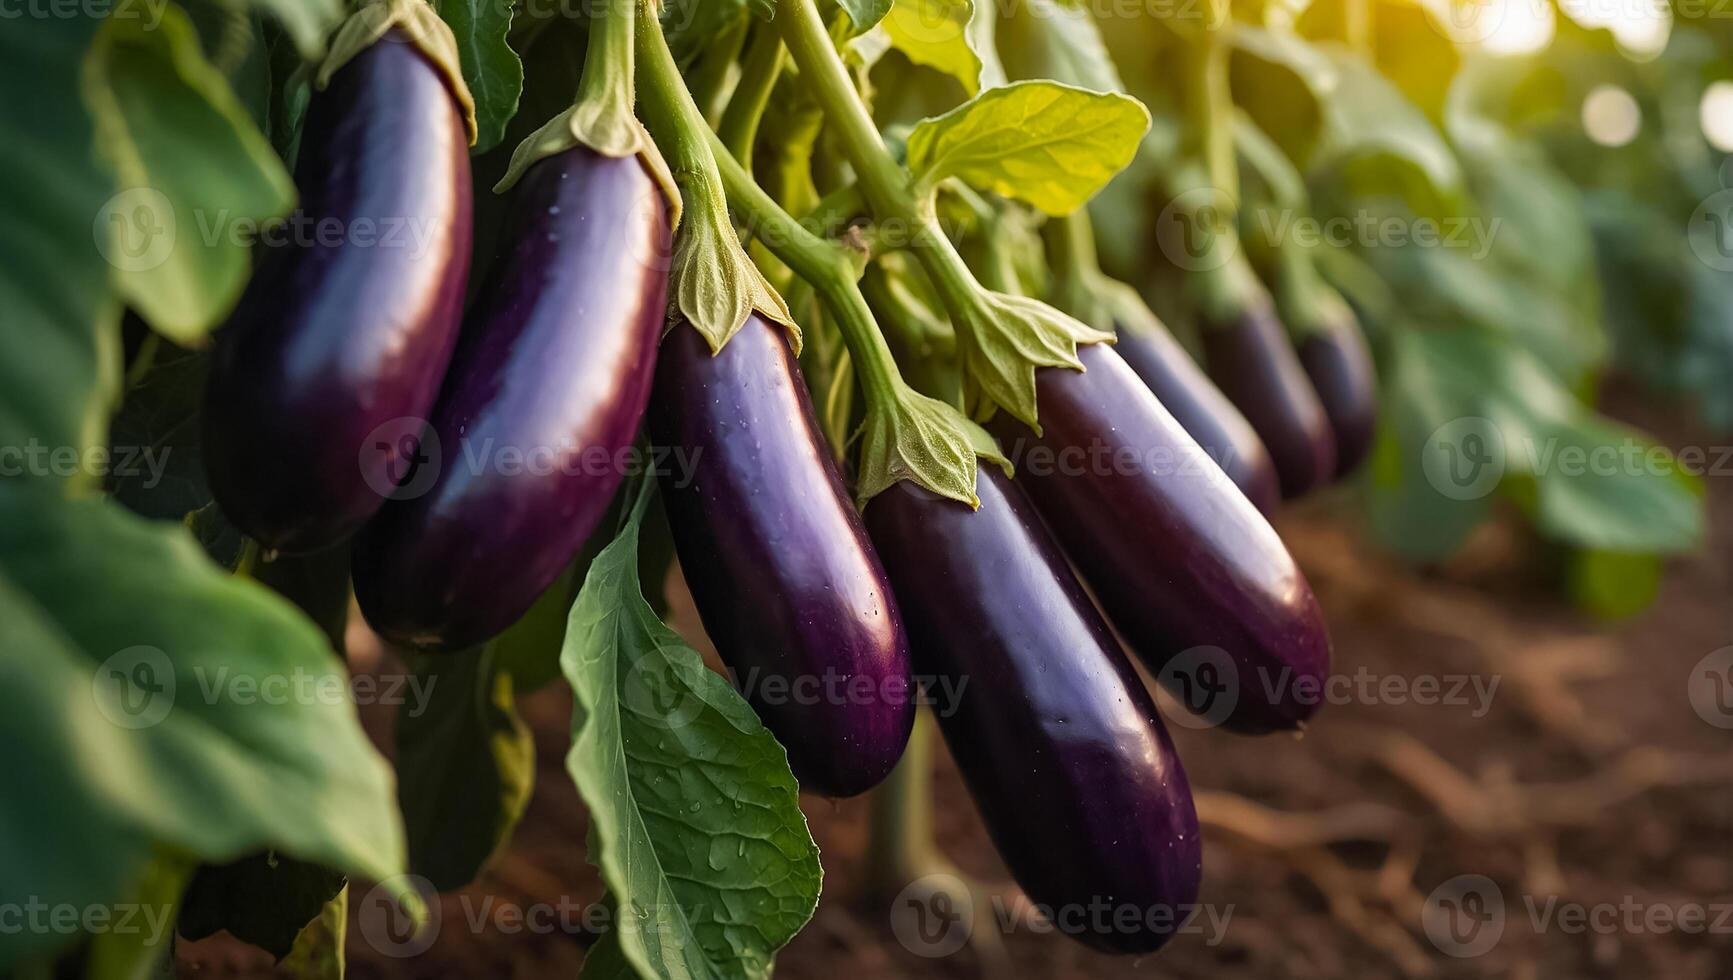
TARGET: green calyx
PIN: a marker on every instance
(713, 284)
(910, 436)
(1003, 339)
(424, 28)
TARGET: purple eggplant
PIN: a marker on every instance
(1059, 743)
(1186, 391)
(1192, 574)
(350, 320)
(777, 559)
(533, 431)
(1253, 363)
(1340, 367)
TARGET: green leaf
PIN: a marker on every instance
(266, 899)
(1050, 39)
(466, 765)
(309, 22)
(146, 952)
(865, 13)
(695, 818)
(192, 169)
(1611, 585)
(1047, 144)
(952, 36)
(491, 68)
(60, 353)
(147, 721)
(318, 952)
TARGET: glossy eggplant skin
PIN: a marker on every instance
(1186, 391)
(777, 559)
(1340, 366)
(350, 319)
(542, 403)
(1253, 363)
(1179, 559)
(1061, 746)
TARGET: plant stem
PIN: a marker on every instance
(710, 81)
(900, 845)
(608, 56)
(758, 74)
(1072, 259)
(669, 108)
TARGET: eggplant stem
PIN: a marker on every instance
(759, 71)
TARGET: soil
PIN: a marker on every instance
(1586, 788)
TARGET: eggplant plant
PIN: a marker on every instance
(937, 347)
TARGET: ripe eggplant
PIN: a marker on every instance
(350, 320)
(537, 418)
(1255, 366)
(777, 559)
(1181, 561)
(1200, 407)
(1060, 745)
(1340, 367)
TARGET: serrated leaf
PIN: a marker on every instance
(465, 765)
(952, 36)
(1053, 40)
(695, 818)
(191, 169)
(491, 69)
(1047, 144)
(60, 353)
(141, 722)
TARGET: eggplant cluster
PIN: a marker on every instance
(471, 455)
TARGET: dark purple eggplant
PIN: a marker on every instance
(538, 414)
(1181, 561)
(777, 559)
(1340, 367)
(1253, 363)
(349, 322)
(1060, 744)
(1186, 391)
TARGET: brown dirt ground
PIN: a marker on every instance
(1590, 778)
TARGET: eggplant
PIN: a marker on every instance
(1253, 363)
(1061, 746)
(535, 425)
(349, 322)
(1340, 367)
(1184, 565)
(777, 559)
(1200, 407)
